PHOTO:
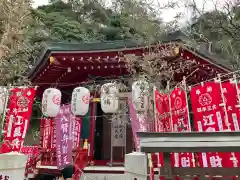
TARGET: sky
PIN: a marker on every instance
(167, 14)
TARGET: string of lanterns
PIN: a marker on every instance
(110, 103)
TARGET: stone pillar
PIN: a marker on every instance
(136, 166)
(12, 166)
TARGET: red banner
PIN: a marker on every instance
(18, 118)
(46, 133)
(179, 110)
(47, 128)
(162, 124)
(32, 152)
(206, 101)
(162, 113)
(208, 116)
(76, 129)
(180, 123)
(229, 90)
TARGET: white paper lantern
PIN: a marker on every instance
(80, 101)
(51, 102)
(3, 95)
(140, 95)
(109, 98)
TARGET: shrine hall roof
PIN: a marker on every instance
(72, 48)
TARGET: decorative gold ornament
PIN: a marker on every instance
(176, 50)
(51, 60)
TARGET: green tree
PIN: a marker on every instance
(14, 46)
(221, 27)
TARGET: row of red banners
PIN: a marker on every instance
(215, 108)
(32, 153)
(54, 132)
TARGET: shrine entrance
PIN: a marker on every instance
(112, 140)
(192, 142)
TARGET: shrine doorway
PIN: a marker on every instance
(102, 140)
(98, 134)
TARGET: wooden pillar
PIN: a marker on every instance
(92, 129)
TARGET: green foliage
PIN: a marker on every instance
(84, 21)
(222, 27)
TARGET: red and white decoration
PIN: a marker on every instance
(76, 129)
(109, 98)
(51, 102)
(48, 138)
(140, 95)
(206, 106)
(18, 118)
(179, 108)
(32, 153)
(208, 110)
(80, 101)
(180, 123)
(230, 89)
(162, 113)
(162, 122)
(46, 133)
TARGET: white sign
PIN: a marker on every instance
(12, 166)
(118, 134)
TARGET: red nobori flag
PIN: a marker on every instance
(32, 153)
(46, 133)
(229, 90)
(18, 118)
(206, 100)
(162, 112)
(76, 129)
(180, 118)
(180, 123)
(208, 116)
(162, 123)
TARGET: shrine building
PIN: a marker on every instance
(66, 66)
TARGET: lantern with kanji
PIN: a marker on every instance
(140, 94)
(3, 96)
(80, 101)
(109, 98)
(51, 102)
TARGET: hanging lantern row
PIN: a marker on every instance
(51, 101)
(110, 102)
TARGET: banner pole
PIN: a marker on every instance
(188, 115)
(170, 109)
(187, 105)
(154, 111)
(235, 121)
(224, 104)
(237, 89)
